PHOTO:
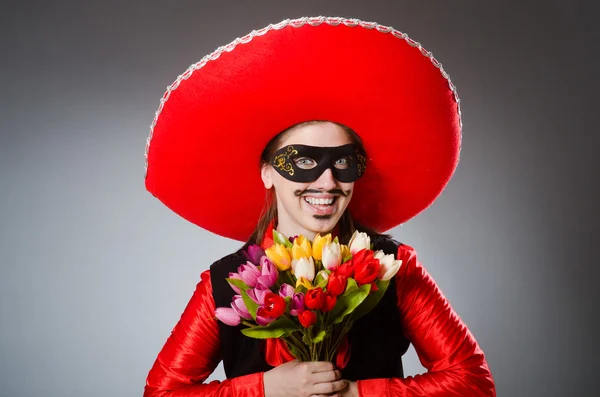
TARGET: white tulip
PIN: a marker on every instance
(389, 265)
(304, 267)
(359, 241)
(332, 256)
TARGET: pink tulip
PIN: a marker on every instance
(237, 277)
(228, 316)
(286, 290)
(249, 273)
(253, 253)
(297, 305)
(268, 272)
(240, 307)
(258, 294)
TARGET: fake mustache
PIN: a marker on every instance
(299, 193)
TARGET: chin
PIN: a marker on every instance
(323, 225)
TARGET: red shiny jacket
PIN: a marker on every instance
(445, 346)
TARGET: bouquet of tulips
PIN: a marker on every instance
(308, 294)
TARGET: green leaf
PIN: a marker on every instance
(280, 239)
(319, 278)
(318, 337)
(322, 284)
(350, 287)
(278, 328)
(250, 304)
(346, 259)
(371, 301)
(236, 282)
(347, 303)
(336, 240)
(306, 336)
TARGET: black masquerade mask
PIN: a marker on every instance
(302, 163)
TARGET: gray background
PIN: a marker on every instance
(95, 271)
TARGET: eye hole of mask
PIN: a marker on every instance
(306, 163)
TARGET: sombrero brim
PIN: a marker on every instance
(203, 152)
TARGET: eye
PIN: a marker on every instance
(342, 163)
(305, 163)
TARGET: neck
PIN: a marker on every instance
(289, 229)
(296, 231)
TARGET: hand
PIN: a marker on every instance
(351, 390)
(304, 379)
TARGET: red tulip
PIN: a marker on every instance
(346, 269)
(314, 298)
(329, 303)
(274, 305)
(366, 267)
(307, 318)
(336, 284)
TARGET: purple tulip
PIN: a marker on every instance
(297, 305)
(261, 319)
(249, 273)
(253, 253)
(268, 272)
(240, 307)
(237, 277)
(258, 294)
(228, 316)
(286, 290)
(292, 238)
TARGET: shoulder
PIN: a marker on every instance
(228, 263)
(385, 244)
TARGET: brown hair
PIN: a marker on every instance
(347, 225)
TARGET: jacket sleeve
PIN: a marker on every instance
(191, 354)
(456, 366)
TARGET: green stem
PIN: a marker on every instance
(344, 330)
(249, 324)
(299, 346)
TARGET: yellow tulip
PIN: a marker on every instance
(318, 245)
(301, 248)
(304, 282)
(345, 251)
(280, 256)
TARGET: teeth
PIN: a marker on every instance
(315, 201)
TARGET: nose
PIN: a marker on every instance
(326, 181)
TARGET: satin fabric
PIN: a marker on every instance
(446, 348)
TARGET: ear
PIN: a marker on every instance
(265, 175)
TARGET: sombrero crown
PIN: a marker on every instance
(214, 121)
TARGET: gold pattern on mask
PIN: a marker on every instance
(283, 162)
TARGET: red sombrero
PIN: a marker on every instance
(213, 122)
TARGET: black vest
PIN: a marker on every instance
(377, 342)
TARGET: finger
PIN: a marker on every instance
(321, 366)
(324, 377)
(330, 387)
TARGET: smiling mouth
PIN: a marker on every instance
(321, 202)
(321, 206)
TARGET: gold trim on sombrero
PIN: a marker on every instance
(296, 23)
(362, 164)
